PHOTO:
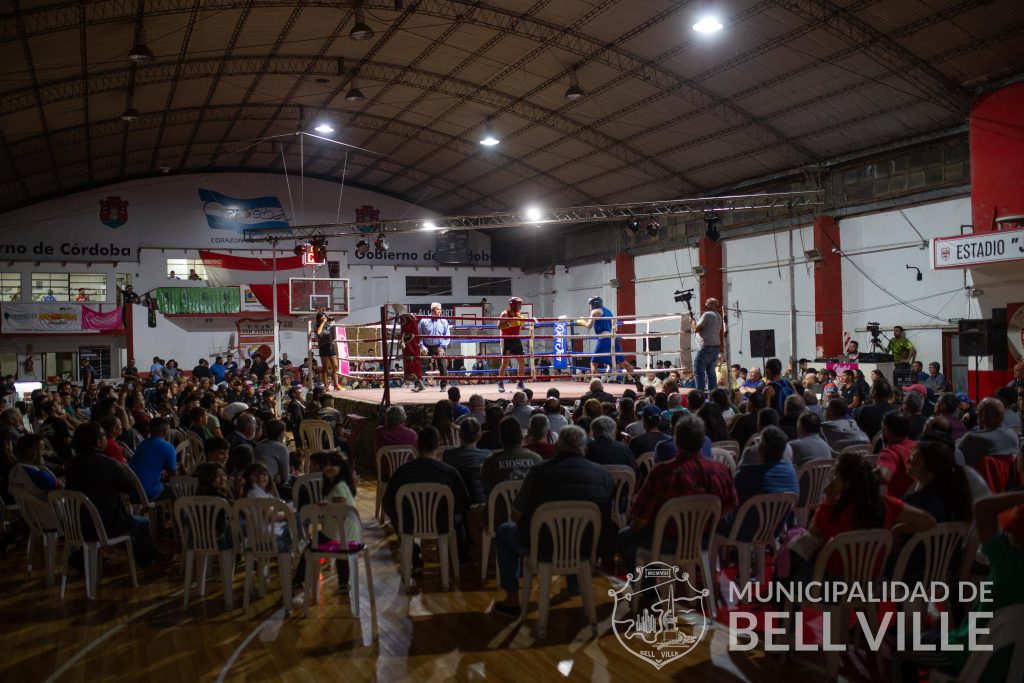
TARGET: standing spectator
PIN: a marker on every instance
(193, 275)
(87, 373)
(566, 477)
(259, 367)
(202, 369)
(900, 347)
(708, 330)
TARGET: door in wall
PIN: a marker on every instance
(954, 366)
(9, 363)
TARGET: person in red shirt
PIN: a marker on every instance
(112, 426)
(894, 460)
(854, 501)
(510, 325)
(411, 363)
(688, 474)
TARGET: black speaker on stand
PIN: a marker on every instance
(762, 345)
(975, 335)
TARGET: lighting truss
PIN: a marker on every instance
(570, 216)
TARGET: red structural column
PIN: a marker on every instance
(625, 296)
(828, 288)
(997, 156)
(712, 284)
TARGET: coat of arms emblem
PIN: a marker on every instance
(659, 615)
(113, 212)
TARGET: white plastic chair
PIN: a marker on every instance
(393, 457)
(724, 457)
(43, 526)
(71, 508)
(730, 445)
(1004, 631)
(313, 434)
(195, 442)
(565, 523)
(693, 517)
(858, 448)
(644, 465)
(624, 478)
(142, 506)
(197, 518)
(499, 511)
(186, 457)
(939, 546)
(814, 477)
(183, 487)
(875, 440)
(255, 523)
(313, 517)
(424, 502)
(861, 554)
(312, 484)
(771, 509)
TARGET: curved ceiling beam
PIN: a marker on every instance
(775, 82)
(117, 80)
(64, 16)
(188, 116)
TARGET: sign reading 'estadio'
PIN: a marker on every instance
(973, 250)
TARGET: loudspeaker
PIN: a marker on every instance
(998, 342)
(904, 377)
(762, 343)
(974, 338)
(652, 345)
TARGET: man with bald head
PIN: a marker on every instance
(992, 438)
(708, 330)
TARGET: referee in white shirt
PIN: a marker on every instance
(435, 335)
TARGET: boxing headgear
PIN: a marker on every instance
(514, 304)
(595, 302)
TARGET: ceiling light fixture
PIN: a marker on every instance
(430, 225)
(324, 128)
(354, 94)
(653, 226)
(633, 225)
(381, 243)
(489, 139)
(362, 246)
(140, 52)
(708, 21)
(574, 91)
(130, 112)
(533, 213)
(711, 223)
(360, 30)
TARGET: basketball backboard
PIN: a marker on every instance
(306, 295)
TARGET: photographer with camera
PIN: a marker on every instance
(708, 329)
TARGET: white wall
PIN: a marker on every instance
(882, 245)
(658, 277)
(757, 283)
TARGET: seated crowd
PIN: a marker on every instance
(901, 460)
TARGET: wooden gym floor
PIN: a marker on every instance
(145, 634)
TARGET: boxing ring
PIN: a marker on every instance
(557, 354)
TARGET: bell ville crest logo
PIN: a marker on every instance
(113, 212)
(659, 615)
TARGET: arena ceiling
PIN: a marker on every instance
(665, 111)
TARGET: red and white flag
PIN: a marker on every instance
(227, 270)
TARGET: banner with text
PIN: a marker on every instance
(52, 318)
(978, 249)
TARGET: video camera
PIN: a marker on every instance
(874, 328)
(684, 296)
